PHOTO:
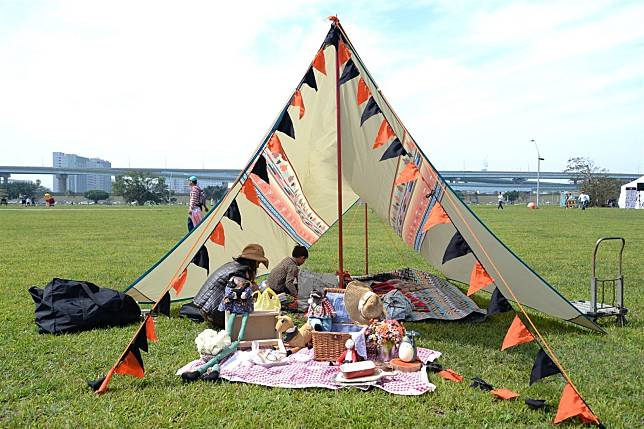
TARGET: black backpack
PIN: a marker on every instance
(72, 306)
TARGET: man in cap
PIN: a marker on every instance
(194, 206)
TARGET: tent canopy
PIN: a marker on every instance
(288, 192)
(630, 197)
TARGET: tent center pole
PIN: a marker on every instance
(339, 160)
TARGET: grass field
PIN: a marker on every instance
(43, 377)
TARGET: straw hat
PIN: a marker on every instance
(362, 303)
(254, 252)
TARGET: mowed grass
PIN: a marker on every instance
(43, 377)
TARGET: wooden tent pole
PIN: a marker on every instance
(339, 160)
(366, 239)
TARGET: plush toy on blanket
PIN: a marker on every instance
(349, 355)
(320, 312)
(294, 338)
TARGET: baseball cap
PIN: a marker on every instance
(192, 178)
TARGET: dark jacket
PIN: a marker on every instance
(212, 292)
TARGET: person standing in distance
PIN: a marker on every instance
(194, 206)
(500, 198)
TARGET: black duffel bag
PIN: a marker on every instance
(72, 306)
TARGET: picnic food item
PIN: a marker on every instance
(358, 369)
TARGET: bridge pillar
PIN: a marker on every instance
(61, 182)
(4, 179)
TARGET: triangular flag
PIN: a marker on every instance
(479, 278)
(105, 382)
(350, 71)
(384, 134)
(150, 330)
(449, 374)
(202, 259)
(141, 339)
(543, 367)
(286, 125)
(456, 247)
(332, 36)
(394, 150)
(370, 110)
(343, 52)
(164, 305)
(363, 92)
(535, 404)
(217, 236)
(517, 334)
(436, 216)
(179, 282)
(309, 79)
(408, 174)
(318, 62)
(505, 394)
(498, 304)
(132, 364)
(260, 168)
(274, 145)
(233, 213)
(298, 102)
(479, 383)
(571, 405)
(248, 189)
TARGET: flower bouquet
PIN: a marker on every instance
(385, 336)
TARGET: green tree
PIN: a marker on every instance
(592, 180)
(512, 196)
(26, 188)
(141, 187)
(215, 192)
(96, 195)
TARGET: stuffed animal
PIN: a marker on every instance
(349, 355)
(210, 342)
(320, 312)
(296, 339)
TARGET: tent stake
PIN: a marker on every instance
(339, 160)
(366, 239)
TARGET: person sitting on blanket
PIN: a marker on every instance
(214, 294)
(283, 278)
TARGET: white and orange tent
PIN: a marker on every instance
(338, 140)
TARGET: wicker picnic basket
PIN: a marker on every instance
(328, 346)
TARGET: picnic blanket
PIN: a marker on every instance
(303, 372)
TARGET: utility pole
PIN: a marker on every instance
(539, 159)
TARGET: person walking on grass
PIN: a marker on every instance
(195, 204)
(500, 198)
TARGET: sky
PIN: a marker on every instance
(196, 84)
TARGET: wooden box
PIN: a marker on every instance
(260, 326)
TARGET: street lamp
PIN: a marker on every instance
(539, 159)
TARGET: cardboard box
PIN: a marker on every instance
(260, 326)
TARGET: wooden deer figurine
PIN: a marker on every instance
(294, 338)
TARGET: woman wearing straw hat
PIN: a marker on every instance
(242, 269)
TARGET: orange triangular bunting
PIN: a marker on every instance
(298, 102)
(150, 332)
(363, 92)
(130, 365)
(217, 236)
(319, 62)
(249, 191)
(384, 134)
(105, 382)
(179, 282)
(517, 334)
(505, 394)
(275, 146)
(449, 374)
(479, 278)
(409, 173)
(343, 52)
(571, 405)
(436, 217)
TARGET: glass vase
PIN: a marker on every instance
(386, 351)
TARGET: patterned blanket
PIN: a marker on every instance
(302, 372)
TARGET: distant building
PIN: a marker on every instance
(83, 182)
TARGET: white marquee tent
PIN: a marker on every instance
(630, 197)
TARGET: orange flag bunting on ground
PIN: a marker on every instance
(436, 217)
(131, 365)
(479, 278)
(298, 102)
(384, 134)
(249, 191)
(449, 374)
(517, 334)
(505, 394)
(571, 405)
(409, 173)
(343, 52)
(218, 236)
(149, 329)
(105, 382)
(179, 282)
(319, 62)
(363, 92)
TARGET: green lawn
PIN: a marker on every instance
(43, 377)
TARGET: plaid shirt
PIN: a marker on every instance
(283, 278)
(195, 196)
(324, 309)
